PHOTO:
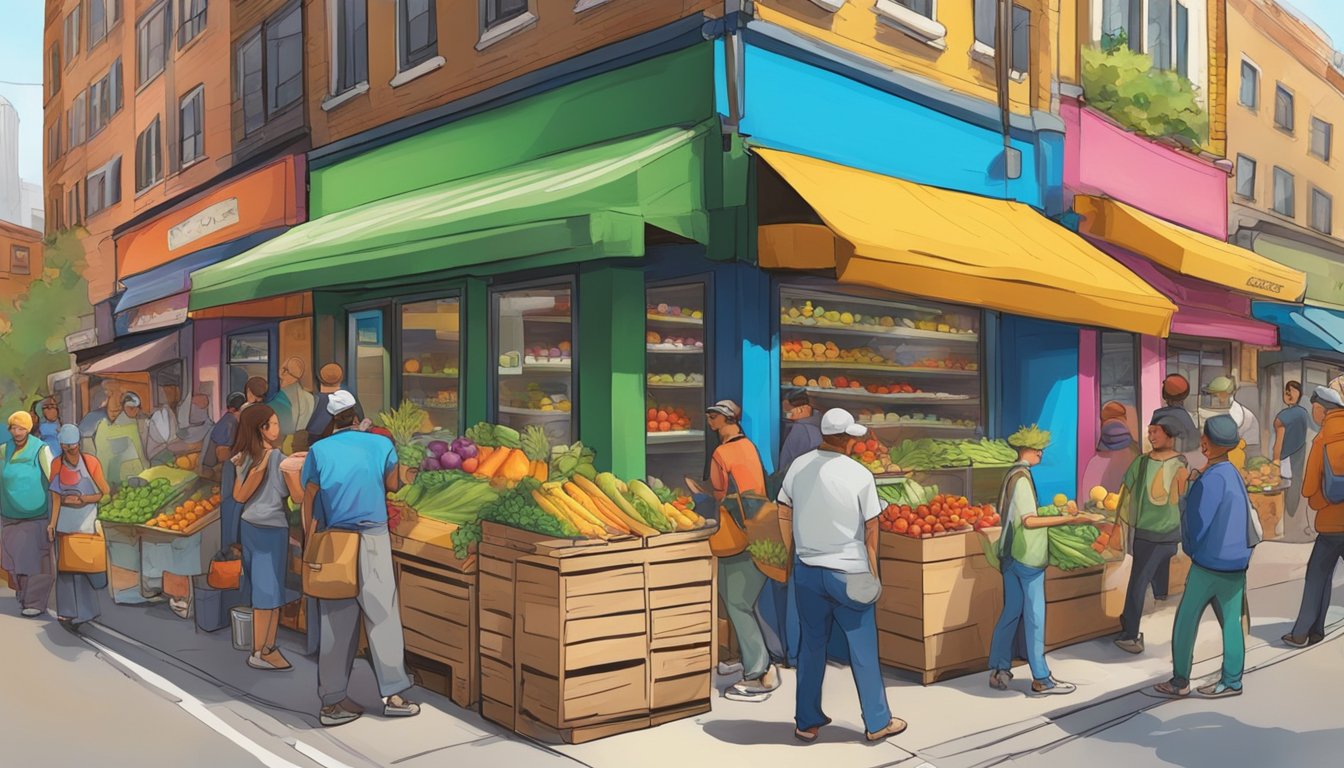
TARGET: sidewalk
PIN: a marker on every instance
(955, 722)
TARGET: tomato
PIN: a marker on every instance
(901, 526)
(915, 530)
(930, 520)
(939, 528)
(922, 510)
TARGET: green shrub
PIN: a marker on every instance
(1157, 103)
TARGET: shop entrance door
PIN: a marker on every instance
(370, 372)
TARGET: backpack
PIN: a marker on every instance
(1332, 485)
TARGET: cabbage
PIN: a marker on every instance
(430, 464)
(450, 460)
(437, 448)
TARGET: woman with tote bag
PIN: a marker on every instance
(77, 486)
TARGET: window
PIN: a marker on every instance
(71, 35)
(922, 7)
(417, 31)
(284, 60)
(350, 45)
(1118, 380)
(986, 14)
(251, 84)
(54, 70)
(1322, 211)
(102, 188)
(191, 116)
(192, 16)
(1182, 40)
(72, 205)
(1159, 33)
(431, 336)
(249, 356)
(1283, 108)
(1122, 18)
(1200, 362)
(1284, 193)
(1245, 177)
(1322, 136)
(103, 15)
(152, 37)
(54, 141)
(105, 99)
(1250, 85)
(149, 157)
(499, 11)
(19, 260)
(76, 120)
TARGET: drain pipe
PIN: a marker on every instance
(1003, 63)
(734, 60)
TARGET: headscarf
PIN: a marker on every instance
(23, 419)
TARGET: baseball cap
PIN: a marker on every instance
(1175, 387)
(838, 421)
(68, 434)
(1222, 431)
(725, 408)
(130, 398)
(340, 401)
(1327, 396)
(1221, 384)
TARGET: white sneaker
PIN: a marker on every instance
(31, 612)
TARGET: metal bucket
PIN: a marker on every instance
(241, 623)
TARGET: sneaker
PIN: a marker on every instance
(333, 716)
(1218, 691)
(399, 706)
(896, 726)
(258, 661)
(1296, 642)
(1170, 691)
(31, 612)
(1134, 646)
(729, 668)
(999, 679)
(766, 682)
(739, 693)
(1051, 687)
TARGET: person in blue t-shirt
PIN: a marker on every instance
(1290, 454)
(345, 480)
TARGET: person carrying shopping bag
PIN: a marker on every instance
(25, 513)
(77, 488)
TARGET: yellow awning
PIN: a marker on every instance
(1188, 252)
(900, 236)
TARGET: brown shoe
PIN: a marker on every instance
(896, 726)
(809, 735)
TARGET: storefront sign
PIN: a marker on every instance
(164, 313)
(1259, 284)
(86, 339)
(198, 225)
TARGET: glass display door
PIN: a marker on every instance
(677, 369)
(370, 373)
(431, 357)
(534, 349)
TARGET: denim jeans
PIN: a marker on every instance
(822, 600)
(1325, 554)
(1023, 603)
(1150, 560)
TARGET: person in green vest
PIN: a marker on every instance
(119, 441)
(1150, 504)
(1023, 554)
(25, 511)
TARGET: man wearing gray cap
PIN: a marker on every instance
(1218, 531)
(828, 513)
(345, 478)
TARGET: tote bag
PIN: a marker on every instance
(331, 565)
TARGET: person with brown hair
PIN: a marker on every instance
(264, 531)
(1175, 390)
(255, 391)
(329, 380)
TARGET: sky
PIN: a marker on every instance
(21, 62)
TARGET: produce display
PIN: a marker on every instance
(808, 314)
(540, 354)
(677, 365)
(502, 452)
(906, 491)
(676, 378)
(803, 350)
(417, 367)
(658, 342)
(664, 311)
(534, 340)
(403, 423)
(186, 514)
(943, 514)
(187, 461)
(662, 420)
(449, 496)
(1261, 475)
(929, 453)
(875, 417)
(1076, 546)
(872, 454)
(137, 504)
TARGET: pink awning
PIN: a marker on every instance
(1206, 323)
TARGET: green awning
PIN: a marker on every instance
(1325, 275)
(583, 204)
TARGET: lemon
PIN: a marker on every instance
(1061, 500)
(846, 318)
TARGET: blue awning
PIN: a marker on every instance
(175, 276)
(1304, 326)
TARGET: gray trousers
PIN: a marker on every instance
(77, 595)
(339, 628)
(1296, 513)
(740, 584)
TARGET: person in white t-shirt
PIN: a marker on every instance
(828, 512)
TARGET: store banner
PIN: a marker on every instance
(163, 313)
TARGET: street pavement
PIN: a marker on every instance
(146, 685)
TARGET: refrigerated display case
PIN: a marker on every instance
(370, 362)
(907, 368)
(534, 347)
(677, 369)
(431, 351)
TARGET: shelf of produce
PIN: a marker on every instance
(823, 298)
(916, 398)
(920, 425)
(670, 320)
(558, 319)
(680, 436)
(442, 376)
(535, 413)
(434, 407)
(677, 385)
(661, 350)
(837, 365)
(895, 332)
(439, 616)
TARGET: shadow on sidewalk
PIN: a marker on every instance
(749, 733)
(1206, 739)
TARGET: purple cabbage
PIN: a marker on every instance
(437, 448)
(430, 464)
(464, 448)
(450, 460)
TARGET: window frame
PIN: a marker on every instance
(986, 50)
(109, 184)
(111, 18)
(1282, 90)
(1284, 173)
(182, 161)
(74, 202)
(55, 132)
(488, 24)
(336, 18)
(1241, 84)
(1255, 173)
(108, 100)
(1135, 347)
(160, 10)
(270, 69)
(1312, 221)
(254, 38)
(71, 33)
(194, 24)
(54, 67)
(408, 60)
(1328, 132)
(931, 15)
(14, 268)
(144, 157)
(77, 117)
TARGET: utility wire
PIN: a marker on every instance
(11, 82)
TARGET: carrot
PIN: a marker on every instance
(490, 466)
(600, 500)
(1098, 547)
(577, 494)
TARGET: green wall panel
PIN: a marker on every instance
(611, 360)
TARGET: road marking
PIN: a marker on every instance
(193, 706)
(317, 756)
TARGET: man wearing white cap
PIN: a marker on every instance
(828, 513)
(345, 478)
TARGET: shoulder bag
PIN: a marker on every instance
(81, 552)
(331, 565)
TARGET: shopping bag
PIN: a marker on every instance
(331, 565)
(81, 553)
(224, 573)
(757, 519)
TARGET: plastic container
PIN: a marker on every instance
(241, 622)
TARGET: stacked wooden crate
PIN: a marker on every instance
(438, 594)
(1084, 604)
(940, 600)
(581, 640)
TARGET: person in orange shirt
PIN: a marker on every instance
(736, 468)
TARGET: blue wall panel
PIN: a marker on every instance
(1038, 361)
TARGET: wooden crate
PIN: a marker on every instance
(940, 599)
(1084, 604)
(429, 540)
(439, 621)
(583, 640)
